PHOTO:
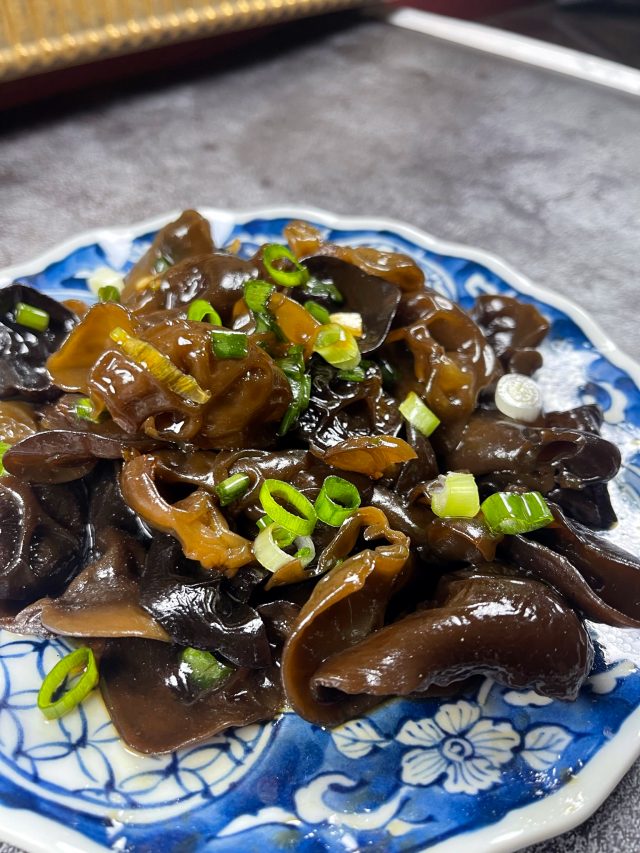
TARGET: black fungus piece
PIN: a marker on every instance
(479, 625)
(140, 685)
(102, 601)
(280, 617)
(422, 469)
(107, 507)
(542, 458)
(197, 609)
(219, 278)
(18, 619)
(536, 560)
(614, 574)
(59, 456)
(340, 409)
(24, 352)
(188, 235)
(375, 299)
(245, 582)
(44, 538)
(590, 505)
(412, 519)
(345, 606)
(514, 329)
(587, 418)
(462, 540)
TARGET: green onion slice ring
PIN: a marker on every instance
(337, 501)
(274, 252)
(302, 524)
(268, 545)
(53, 705)
(109, 293)
(201, 311)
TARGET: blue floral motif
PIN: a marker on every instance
(544, 745)
(457, 744)
(405, 776)
(459, 748)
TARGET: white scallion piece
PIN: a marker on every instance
(518, 397)
(104, 277)
(349, 320)
(272, 557)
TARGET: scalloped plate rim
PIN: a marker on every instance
(556, 813)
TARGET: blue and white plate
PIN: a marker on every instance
(495, 768)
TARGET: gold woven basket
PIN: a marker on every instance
(39, 35)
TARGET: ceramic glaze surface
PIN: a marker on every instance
(410, 774)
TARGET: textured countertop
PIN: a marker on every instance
(364, 118)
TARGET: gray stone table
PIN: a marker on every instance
(363, 118)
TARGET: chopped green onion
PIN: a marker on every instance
(81, 660)
(337, 346)
(455, 496)
(355, 375)
(306, 549)
(283, 537)
(317, 311)
(3, 449)
(419, 415)
(105, 277)
(327, 336)
(302, 524)
(268, 552)
(337, 501)
(160, 366)
(201, 311)
(204, 669)
(84, 409)
(301, 390)
(267, 549)
(304, 554)
(228, 344)
(274, 252)
(511, 513)
(109, 293)
(257, 294)
(317, 287)
(161, 265)
(358, 374)
(292, 365)
(32, 317)
(232, 488)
